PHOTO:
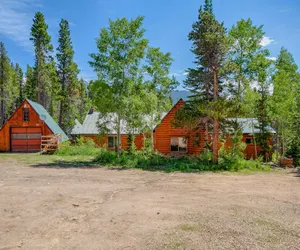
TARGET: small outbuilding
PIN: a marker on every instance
(23, 131)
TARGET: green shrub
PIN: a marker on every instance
(80, 147)
(153, 161)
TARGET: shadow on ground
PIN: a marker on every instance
(77, 164)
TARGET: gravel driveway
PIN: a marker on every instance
(72, 208)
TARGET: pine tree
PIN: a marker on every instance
(208, 6)
(210, 47)
(67, 74)
(43, 48)
(29, 88)
(83, 99)
(3, 81)
(13, 91)
(5, 84)
(54, 92)
(9, 86)
(20, 83)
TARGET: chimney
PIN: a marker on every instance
(91, 111)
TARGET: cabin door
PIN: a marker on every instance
(25, 139)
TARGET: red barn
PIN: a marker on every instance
(23, 131)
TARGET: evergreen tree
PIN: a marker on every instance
(4, 82)
(43, 48)
(84, 103)
(210, 47)
(20, 83)
(13, 91)
(67, 74)
(29, 88)
(54, 92)
(208, 6)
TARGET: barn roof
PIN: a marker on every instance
(46, 117)
(249, 125)
(90, 125)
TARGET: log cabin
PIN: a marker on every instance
(24, 130)
(168, 139)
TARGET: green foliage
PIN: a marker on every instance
(244, 42)
(131, 144)
(155, 161)
(210, 46)
(133, 79)
(121, 48)
(29, 88)
(84, 147)
(43, 48)
(20, 84)
(283, 100)
(67, 76)
(83, 100)
(9, 86)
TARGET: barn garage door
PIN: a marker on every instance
(25, 139)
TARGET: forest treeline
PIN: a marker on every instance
(233, 76)
(52, 81)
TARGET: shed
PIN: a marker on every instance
(23, 131)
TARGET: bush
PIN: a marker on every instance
(80, 147)
(155, 161)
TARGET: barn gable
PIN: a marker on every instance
(21, 133)
(166, 135)
(46, 117)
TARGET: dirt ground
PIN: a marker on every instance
(76, 208)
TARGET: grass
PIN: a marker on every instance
(37, 158)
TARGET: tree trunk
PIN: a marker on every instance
(152, 140)
(216, 123)
(118, 135)
(206, 137)
(255, 146)
(2, 111)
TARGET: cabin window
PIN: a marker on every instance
(249, 141)
(25, 114)
(111, 141)
(178, 144)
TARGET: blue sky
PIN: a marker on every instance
(167, 22)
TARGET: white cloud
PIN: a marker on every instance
(266, 41)
(16, 20)
(87, 76)
(178, 73)
(273, 58)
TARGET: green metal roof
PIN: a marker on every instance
(44, 115)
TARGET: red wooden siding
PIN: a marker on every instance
(165, 130)
(102, 141)
(15, 127)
